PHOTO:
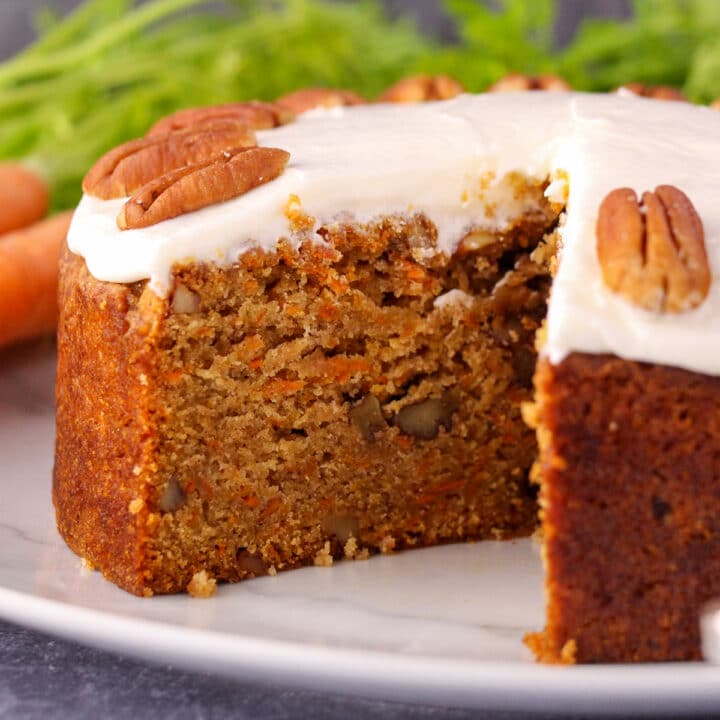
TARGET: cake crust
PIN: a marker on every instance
(103, 429)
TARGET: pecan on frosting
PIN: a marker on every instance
(653, 252)
(422, 88)
(190, 188)
(306, 99)
(517, 82)
(126, 168)
(255, 115)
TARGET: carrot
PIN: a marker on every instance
(280, 386)
(24, 197)
(28, 278)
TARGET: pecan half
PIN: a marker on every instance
(256, 115)
(653, 253)
(129, 166)
(306, 99)
(422, 88)
(191, 188)
(516, 82)
(656, 92)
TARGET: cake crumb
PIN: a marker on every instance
(387, 544)
(136, 505)
(324, 557)
(86, 564)
(538, 536)
(363, 554)
(272, 571)
(351, 548)
(299, 219)
(202, 585)
(568, 654)
(147, 592)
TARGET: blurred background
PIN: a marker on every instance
(102, 71)
(17, 29)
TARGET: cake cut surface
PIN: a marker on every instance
(631, 536)
(306, 397)
(333, 359)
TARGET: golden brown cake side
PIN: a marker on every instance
(630, 483)
(300, 406)
(104, 433)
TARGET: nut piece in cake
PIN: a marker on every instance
(423, 420)
(173, 496)
(342, 526)
(368, 418)
(306, 99)
(517, 82)
(653, 252)
(254, 115)
(250, 563)
(184, 300)
(190, 188)
(422, 88)
(129, 166)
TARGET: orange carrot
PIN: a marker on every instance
(24, 197)
(279, 386)
(28, 278)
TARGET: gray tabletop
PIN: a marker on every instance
(43, 677)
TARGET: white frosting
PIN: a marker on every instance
(450, 160)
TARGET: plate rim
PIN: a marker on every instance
(662, 688)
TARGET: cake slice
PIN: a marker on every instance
(300, 405)
(343, 389)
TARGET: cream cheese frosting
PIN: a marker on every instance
(452, 160)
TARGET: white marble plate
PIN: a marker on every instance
(442, 625)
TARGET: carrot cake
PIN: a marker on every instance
(292, 338)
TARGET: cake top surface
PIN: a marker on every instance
(454, 161)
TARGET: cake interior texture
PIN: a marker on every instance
(628, 498)
(303, 405)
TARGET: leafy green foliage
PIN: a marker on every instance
(110, 69)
